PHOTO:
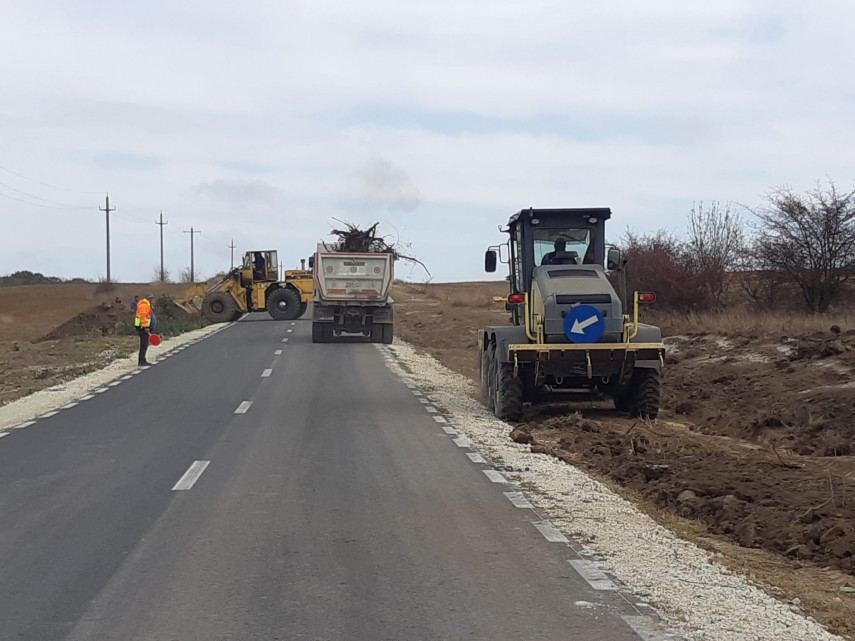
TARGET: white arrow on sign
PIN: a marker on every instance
(579, 327)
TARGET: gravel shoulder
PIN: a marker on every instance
(690, 590)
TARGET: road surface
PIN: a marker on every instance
(257, 486)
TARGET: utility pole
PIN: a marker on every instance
(192, 264)
(161, 223)
(107, 210)
(232, 247)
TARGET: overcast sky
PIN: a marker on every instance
(263, 121)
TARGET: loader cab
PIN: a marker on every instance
(260, 266)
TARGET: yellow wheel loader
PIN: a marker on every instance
(256, 286)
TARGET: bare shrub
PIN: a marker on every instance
(811, 239)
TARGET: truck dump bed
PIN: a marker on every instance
(352, 277)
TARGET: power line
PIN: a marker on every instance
(38, 182)
(52, 202)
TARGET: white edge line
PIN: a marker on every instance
(495, 476)
(243, 407)
(644, 627)
(550, 532)
(191, 475)
(595, 577)
(518, 500)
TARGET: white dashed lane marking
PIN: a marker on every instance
(278, 352)
(114, 383)
(87, 397)
(191, 475)
(266, 373)
(2, 434)
(550, 532)
(69, 406)
(439, 419)
(424, 401)
(243, 407)
(284, 340)
(644, 627)
(448, 429)
(23, 425)
(430, 409)
(475, 457)
(463, 442)
(49, 414)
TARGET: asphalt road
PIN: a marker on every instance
(331, 507)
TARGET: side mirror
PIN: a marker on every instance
(490, 260)
(613, 259)
(311, 262)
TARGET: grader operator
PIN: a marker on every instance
(570, 331)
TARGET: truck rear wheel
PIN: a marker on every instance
(322, 332)
(388, 333)
(283, 304)
(219, 307)
(508, 393)
(644, 393)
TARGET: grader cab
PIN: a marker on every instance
(570, 331)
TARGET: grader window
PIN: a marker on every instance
(560, 244)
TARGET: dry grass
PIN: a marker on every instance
(744, 322)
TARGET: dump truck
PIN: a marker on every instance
(570, 330)
(352, 295)
(256, 286)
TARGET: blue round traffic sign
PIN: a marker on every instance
(584, 324)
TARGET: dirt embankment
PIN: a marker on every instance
(753, 445)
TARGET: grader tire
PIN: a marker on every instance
(484, 371)
(284, 304)
(645, 393)
(509, 393)
(219, 307)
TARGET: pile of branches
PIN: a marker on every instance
(353, 239)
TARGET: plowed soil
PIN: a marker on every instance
(751, 455)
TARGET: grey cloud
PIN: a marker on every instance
(389, 187)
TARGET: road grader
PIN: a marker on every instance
(571, 331)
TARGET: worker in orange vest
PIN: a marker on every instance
(142, 321)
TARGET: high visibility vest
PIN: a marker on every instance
(143, 317)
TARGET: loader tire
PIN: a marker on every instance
(219, 307)
(303, 308)
(508, 393)
(644, 398)
(484, 371)
(283, 304)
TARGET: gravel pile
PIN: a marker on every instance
(689, 590)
